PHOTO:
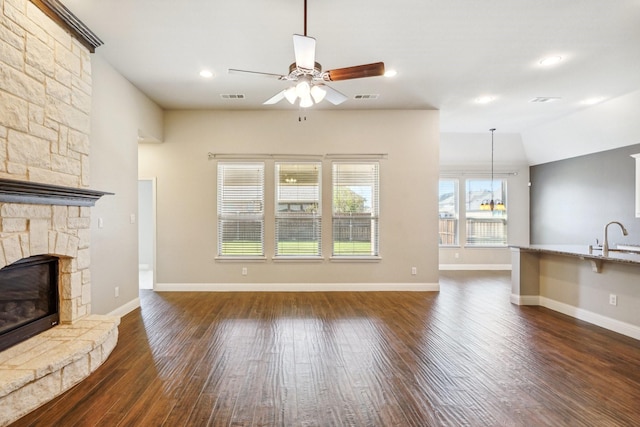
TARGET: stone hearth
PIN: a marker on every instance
(37, 370)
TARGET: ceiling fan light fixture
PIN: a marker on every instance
(306, 101)
(290, 95)
(305, 74)
(318, 93)
(303, 89)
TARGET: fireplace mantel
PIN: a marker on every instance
(13, 191)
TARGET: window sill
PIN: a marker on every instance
(297, 259)
(240, 258)
(487, 247)
(355, 259)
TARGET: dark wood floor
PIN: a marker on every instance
(461, 357)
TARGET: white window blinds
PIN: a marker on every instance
(356, 208)
(298, 218)
(240, 209)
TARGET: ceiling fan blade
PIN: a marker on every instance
(258, 73)
(333, 96)
(356, 72)
(305, 51)
(275, 98)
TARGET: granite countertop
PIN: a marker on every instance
(583, 251)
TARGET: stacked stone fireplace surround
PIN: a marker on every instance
(45, 103)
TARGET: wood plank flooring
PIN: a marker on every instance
(461, 357)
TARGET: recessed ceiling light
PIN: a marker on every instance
(592, 101)
(206, 74)
(485, 99)
(550, 61)
(390, 73)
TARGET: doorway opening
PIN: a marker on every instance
(147, 232)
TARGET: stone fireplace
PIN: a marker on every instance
(51, 221)
(45, 201)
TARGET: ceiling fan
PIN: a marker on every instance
(310, 80)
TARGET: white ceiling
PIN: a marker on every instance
(446, 52)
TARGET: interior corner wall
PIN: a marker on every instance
(186, 193)
(573, 199)
(118, 110)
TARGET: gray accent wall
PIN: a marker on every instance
(573, 199)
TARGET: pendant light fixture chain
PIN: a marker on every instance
(492, 131)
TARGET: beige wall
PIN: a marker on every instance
(119, 112)
(186, 180)
(571, 283)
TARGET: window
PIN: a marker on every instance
(356, 207)
(448, 212)
(298, 219)
(486, 227)
(240, 209)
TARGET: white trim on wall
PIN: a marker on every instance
(579, 313)
(524, 299)
(296, 287)
(125, 308)
(472, 267)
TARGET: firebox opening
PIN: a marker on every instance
(28, 298)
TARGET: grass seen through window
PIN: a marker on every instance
(300, 248)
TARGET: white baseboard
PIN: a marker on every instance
(296, 287)
(591, 317)
(525, 299)
(472, 267)
(126, 308)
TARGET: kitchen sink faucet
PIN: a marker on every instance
(605, 243)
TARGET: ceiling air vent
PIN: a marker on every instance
(544, 99)
(366, 96)
(232, 96)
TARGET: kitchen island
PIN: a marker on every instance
(581, 282)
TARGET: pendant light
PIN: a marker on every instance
(491, 205)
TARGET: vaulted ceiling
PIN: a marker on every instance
(447, 54)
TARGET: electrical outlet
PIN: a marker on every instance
(244, 271)
(414, 271)
(117, 291)
(456, 255)
(613, 299)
